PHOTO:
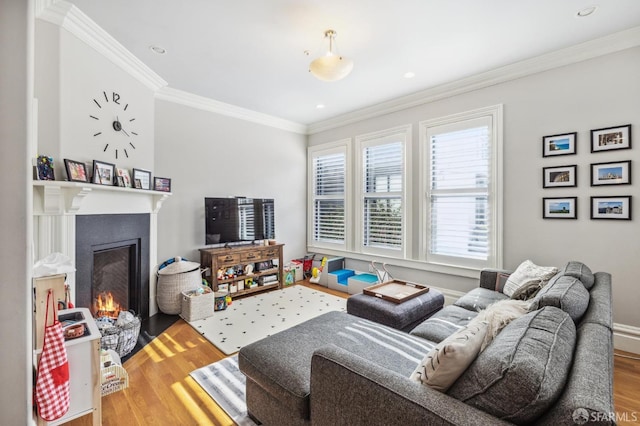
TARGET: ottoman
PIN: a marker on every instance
(402, 316)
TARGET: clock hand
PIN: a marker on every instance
(120, 127)
(124, 131)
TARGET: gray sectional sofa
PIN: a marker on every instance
(552, 366)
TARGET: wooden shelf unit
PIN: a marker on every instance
(217, 258)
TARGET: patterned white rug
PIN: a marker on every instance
(252, 318)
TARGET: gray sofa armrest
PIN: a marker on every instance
(488, 277)
(349, 390)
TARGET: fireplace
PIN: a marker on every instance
(112, 263)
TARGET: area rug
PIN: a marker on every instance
(252, 318)
(224, 382)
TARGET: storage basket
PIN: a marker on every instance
(174, 277)
(113, 377)
(121, 338)
(197, 304)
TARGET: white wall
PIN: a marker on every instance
(16, 87)
(211, 155)
(600, 92)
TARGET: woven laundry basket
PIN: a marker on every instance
(177, 276)
(197, 304)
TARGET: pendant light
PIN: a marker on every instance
(331, 66)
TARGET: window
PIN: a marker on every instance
(382, 190)
(461, 157)
(328, 169)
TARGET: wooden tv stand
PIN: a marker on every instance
(224, 258)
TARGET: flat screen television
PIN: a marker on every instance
(230, 220)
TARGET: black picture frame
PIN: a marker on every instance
(161, 184)
(144, 176)
(611, 138)
(560, 144)
(104, 173)
(611, 208)
(611, 173)
(76, 171)
(560, 208)
(560, 176)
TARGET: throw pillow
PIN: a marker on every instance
(567, 293)
(498, 315)
(442, 366)
(528, 277)
(501, 281)
(524, 371)
(580, 271)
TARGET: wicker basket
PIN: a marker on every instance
(177, 276)
(113, 377)
(197, 305)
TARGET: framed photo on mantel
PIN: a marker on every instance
(144, 176)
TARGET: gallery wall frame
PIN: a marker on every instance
(611, 173)
(611, 208)
(560, 208)
(611, 138)
(561, 144)
(559, 176)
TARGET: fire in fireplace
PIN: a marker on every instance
(105, 306)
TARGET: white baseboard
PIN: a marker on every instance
(626, 338)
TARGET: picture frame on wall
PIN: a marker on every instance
(104, 173)
(611, 138)
(560, 176)
(161, 184)
(560, 208)
(144, 176)
(76, 171)
(562, 144)
(614, 208)
(612, 173)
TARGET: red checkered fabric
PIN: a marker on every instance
(52, 383)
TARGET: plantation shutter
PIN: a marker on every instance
(459, 191)
(329, 173)
(383, 189)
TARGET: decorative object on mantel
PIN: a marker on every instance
(331, 66)
(112, 114)
(611, 138)
(613, 173)
(124, 174)
(44, 168)
(144, 176)
(562, 144)
(103, 173)
(560, 208)
(76, 171)
(161, 184)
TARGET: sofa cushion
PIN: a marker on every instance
(567, 293)
(478, 299)
(444, 323)
(580, 271)
(498, 315)
(524, 370)
(528, 276)
(442, 366)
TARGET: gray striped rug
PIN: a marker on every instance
(224, 382)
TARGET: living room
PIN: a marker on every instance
(209, 149)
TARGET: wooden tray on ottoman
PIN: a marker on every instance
(396, 291)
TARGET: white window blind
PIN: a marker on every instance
(383, 169)
(329, 177)
(459, 191)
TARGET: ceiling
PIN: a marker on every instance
(251, 53)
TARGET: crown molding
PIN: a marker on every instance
(72, 19)
(207, 104)
(581, 52)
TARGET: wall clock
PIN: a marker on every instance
(116, 127)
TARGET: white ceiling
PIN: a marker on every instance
(250, 53)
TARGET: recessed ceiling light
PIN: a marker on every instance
(320, 106)
(586, 11)
(409, 74)
(157, 49)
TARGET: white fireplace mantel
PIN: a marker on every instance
(57, 203)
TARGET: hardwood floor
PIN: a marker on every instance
(161, 392)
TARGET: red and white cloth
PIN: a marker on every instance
(52, 383)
